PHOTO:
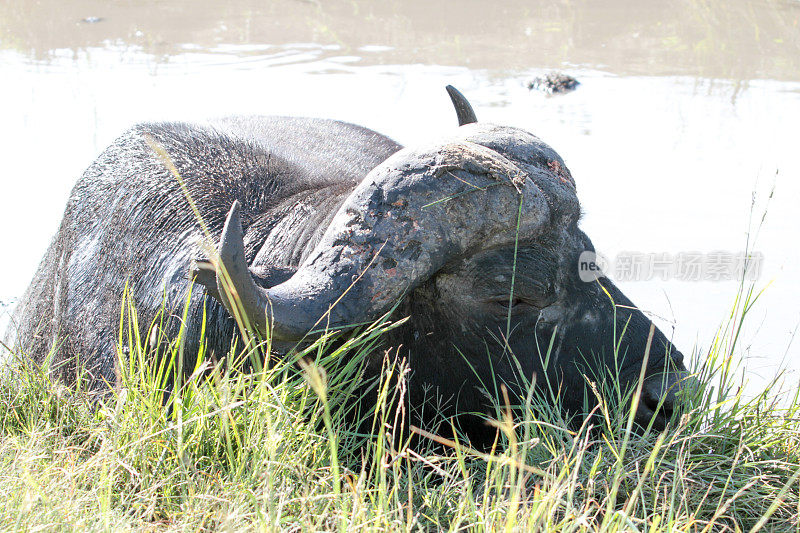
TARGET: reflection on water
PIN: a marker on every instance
(685, 109)
(736, 40)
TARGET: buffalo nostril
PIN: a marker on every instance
(657, 401)
(677, 360)
(663, 405)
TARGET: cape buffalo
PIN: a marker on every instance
(474, 237)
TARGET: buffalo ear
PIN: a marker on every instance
(203, 273)
(464, 110)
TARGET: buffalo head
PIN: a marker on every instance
(477, 235)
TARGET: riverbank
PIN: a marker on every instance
(271, 449)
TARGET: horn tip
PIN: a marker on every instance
(452, 91)
(234, 216)
(464, 111)
(231, 238)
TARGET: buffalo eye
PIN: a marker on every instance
(502, 305)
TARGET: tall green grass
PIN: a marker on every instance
(277, 447)
(254, 442)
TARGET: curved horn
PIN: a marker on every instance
(411, 215)
(464, 110)
(254, 301)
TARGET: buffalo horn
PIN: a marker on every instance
(464, 110)
(413, 213)
(255, 302)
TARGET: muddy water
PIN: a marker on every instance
(684, 124)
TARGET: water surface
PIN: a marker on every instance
(684, 124)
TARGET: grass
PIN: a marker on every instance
(255, 442)
(275, 448)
